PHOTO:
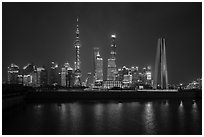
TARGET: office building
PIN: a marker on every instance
(41, 76)
(63, 77)
(135, 74)
(112, 70)
(53, 74)
(29, 75)
(34, 77)
(107, 84)
(67, 75)
(98, 67)
(13, 73)
(149, 76)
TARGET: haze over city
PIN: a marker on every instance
(45, 32)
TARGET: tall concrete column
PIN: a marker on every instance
(161, 65)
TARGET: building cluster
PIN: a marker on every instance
(117, 77)
(125, 77)
(196, 84)
(30, 75)
(52, 75)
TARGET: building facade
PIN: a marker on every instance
(53, 74)
(67, 76)
(29, 75)
(13, 74)
(112, 84)
(41, 76)
(98, 66)
(112, 70)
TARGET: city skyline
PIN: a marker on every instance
(131, 50)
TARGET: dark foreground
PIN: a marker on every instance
(105, 117)
(112, 95)
(26, 111)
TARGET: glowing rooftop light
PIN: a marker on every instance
(70, 68)
(40, 69)
(113, 36)
(26, 66)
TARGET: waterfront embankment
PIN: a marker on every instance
(17, 95)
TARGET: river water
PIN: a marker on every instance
(106, 117)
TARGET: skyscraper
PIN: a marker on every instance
(161, 65)
(53, 74)
(41, 76)
(98, 66)
(77, 72)
(96, 50)
(13, 72)
(135, 74)
(34, 77)
(112, 70)
(66, 75)
(29, 75)
(63, 77)
(88, 81)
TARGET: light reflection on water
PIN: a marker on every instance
(114, 117)
(62, 112)
(98, 113)
(149, 119)
(139, 117)
(164, 111)
(181, 117)
(195, 115)
(75, 117)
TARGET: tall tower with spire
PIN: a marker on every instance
(77, 45)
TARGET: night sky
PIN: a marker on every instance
(45, 32)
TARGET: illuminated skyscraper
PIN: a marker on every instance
(77, 71)
(28, 73)
(98, 66)
(66, 75)
(63, 77)
(112, 70)
(41, 76)
(29, 76)
(13, 72)
(34, 77)
(149, 75)
(96, 51)
(53, 74)
(161, 65)
(135, 74)
(88, 81)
